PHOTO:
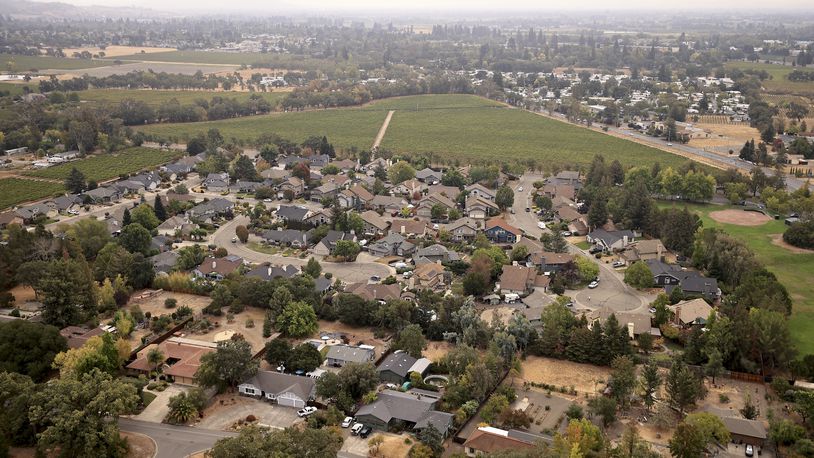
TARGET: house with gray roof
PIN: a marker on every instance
(292, 213)
(392, 406)
(393, 244)
(103, 194)
(285, 389)
(164, 262)
(67, 202)
(267, 272)
(211, 209)
(429, 176)
(436, 253)
(287, 237)
(326, 246)
(611, 240)
(339, 355)
(397, 366)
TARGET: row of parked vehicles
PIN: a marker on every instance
(356, 429)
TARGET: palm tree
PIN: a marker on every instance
(154, 357)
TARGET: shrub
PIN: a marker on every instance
(170, 302)
(250, 323)
(800, 234)
(723, 398)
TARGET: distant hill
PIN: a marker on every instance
(25, 9)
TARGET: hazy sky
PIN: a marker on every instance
(421, 6)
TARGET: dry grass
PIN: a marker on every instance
(22, 294)
(140, 445)
(394, 446)
(355, 336)
(117, 51)
(252, 335)
(437, 350)
(155, 304)
(740, 217)
(584, 377)
(728, 135)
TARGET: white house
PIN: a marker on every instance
(286, 389)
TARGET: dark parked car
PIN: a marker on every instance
(365, 432)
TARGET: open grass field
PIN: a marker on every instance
(17, 63)
(464, 127)
(17, 88)
(106, 166)
(486, 133)
(16, 190)
(344, 128)
(255, 59)
(155, 98)
(779, 84)
(792, 269)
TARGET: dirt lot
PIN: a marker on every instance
(740, 217)
(777, 239)
(437, 350)
(584, 377)
(155, 304)
(22, 294)
(393, 446)
(252, 335)
(534, 403)
(731, 135)
(116, 51)
(355, 336)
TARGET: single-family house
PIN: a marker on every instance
(31, 212)
(375, 291)
(103, 194)
(436, 253)
(692, 283)
(182, 358)
(431, 275)
(498, 230)
(164, 262)
(285, 389)
(294, 185)
(397, 366)
(374, 225)
(356, 197)
(10, 217)
(325, 191)
(479, 190)
(549, 262)
(388, 204)
(292, 213)
(411, 228)
(479, 208)
(326, 246)
(450, 191)
(643, 250)
(429, 176)
(206, 211)
(521, 280)
(409, 408)
(287, 237)
(611, 240)
(247, 187)
(487, 440)
(393, 244)
(67, 202)
(636, 323)
(462, 229)
(743, 431)
(339, 355)
(268, 272)
(409, 188)
(77, 336)
(175, 225)
(218, 268)
(691, 312)
(425, 205)
(319, 217)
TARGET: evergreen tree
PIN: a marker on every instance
(126, 219)
(75, 182)
(159, 210)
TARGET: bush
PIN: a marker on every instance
(800, 234)
(250, 323)
(723, 398)
(170, 302)
(574, 412)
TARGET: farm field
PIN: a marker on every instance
(17, 88)
(16, 190)
(107, 166)
(26, 63)
(344, 128)
(155, 98)
(124, 67)
(489, 134)
(255, 59)
(792, 269)
(778, 83)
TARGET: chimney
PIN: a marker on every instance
(678, 315)
(659, 252)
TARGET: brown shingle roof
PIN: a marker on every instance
(495, 222)
(487, 442)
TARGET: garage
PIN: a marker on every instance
(290, 400)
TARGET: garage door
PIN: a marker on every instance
(290, 402)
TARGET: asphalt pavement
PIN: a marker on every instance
(174, 441)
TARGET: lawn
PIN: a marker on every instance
(19, 63)
(106, 166)
(155, 98)
(16, 190)
(778, 83)
(471, 130)
(344, 128)
(792, 269)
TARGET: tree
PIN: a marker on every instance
(79, 414)
(588, 270)
(639, 275)
(145, 216)
(136, 239)
(649, 383)
(554, 242)
(346, 250)
(492, 408)
(243, 169)
(254, 442)
(687, 442)
(581, 438)
(40, 342)
(64, 286)
(98, 353)
(684, 388)
(111, 261)
(623, 380)
(715, 364)
(633, 446)
(312, 268)
(749, 410)
(710, 426)
(411, 339)
(504, 197)
(605, 408)
(304, 357)
(155, 357)
(297, 320)
(16, 393)
(598, 213)
(432, 438)
(75, 182)
(91, 234)
(400, 171)
(159, 210)
(804, 404)
(358, 379)
(186, 406)
(230, 364)
(277, 351)
(242, 233)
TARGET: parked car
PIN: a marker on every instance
(364, 432)
(392, 386)
(520, 189)
(375, 278)
(304, 412)
(347, 422)
(618, 264)
(750, 451)
(593, 284)
(234, 239)
(356, 428)
(528, 210)
(595, 249)
(541, 225)
(566, 233)
(652, 310)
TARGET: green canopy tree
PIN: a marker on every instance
(297, 319)
(411, 339)
(75, 182)
(40, 342)
(230, 364)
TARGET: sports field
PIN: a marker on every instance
(463, 127)
(779, 84)
(344, 128)
(793, 269)
(106, 166)
(155, 98)
(18, 63)
(16, 190)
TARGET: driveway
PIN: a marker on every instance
(158, 409)
(222, 417)
(174, 441)
(349, 272)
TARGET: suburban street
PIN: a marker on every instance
(174, 441)
(612, 290)
(350, 272)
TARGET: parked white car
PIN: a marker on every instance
(593, 284)
(304, 412)
(541, 224)
(356, 428)
(347, 422)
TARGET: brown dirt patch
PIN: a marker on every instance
(22, 294)
(140, 445)
(394, 446)
(732, 135)
(777, 239)
(437, 350)
(355, 336)
(585, 378)
(155, 304)
(740, 217)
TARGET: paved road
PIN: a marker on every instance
(351, 272)
(612, 290)
(174, 441)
